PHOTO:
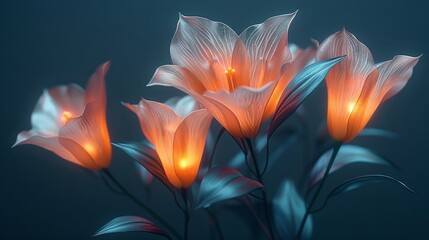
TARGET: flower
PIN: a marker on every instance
(71, 122)
(357, 86)
(239, 79)
(178, 134)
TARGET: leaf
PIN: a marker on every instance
(358, 182)
(376, 132)
(130, 224)
(288, 212)
(347, 154)
(147, 157)
(144, 174)
(222, 183)
(299, 89)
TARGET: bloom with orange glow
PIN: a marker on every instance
(178, 134)
(357, 86)
(71, 122)
(239, 79)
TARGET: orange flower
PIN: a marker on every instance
(239, 79)
(357, 86)
(71, 122)
(179, 136)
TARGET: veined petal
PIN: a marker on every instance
(301, 58)
(266, 44)
(205, 47)
(247, 105)
(49, 143)
(87, 138)
(346, 79)
(385, 81)
(183, 106)
(394, 74)
(178, 77)
(159, 123)
(189, 142)
(96, 88)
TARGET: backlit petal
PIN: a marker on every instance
(247, 104)
(205, 47)
(346, 79)
(189, 142)
(159, 123)
(266, 44)
(178, 77)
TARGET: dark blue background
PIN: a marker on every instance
(46, 43)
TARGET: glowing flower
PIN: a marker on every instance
(71, 122)
(239, 79)
(357, 86)
(178, 135)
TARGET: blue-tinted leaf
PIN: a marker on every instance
(298, 90)
(347, 154)
(288, 212)
(130, 224)
(147, 157)
(376, 132)
(144, 174)
(360, 181)
(222, 183)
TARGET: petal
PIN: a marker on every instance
(159, 123)
(188, 147)
(87, 138)
(346, 79)
(96, 88)
(241, 64)
(185, 106)
(247, 104)
(49, 143)
(394, 74)
(385, 81)
(266, 44)
(301, 58)
(178, 77)
(205, 47)
(48, 115)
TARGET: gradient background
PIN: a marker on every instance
(46, 43)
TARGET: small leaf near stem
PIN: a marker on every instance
(336, 148)
(141, 204)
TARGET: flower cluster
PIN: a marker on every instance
(244, 81)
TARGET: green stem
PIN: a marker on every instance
(186, 213)
(264, 194)
(319, 188)
(141, 204)
(214, 147)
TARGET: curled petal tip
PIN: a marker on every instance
(315, 43)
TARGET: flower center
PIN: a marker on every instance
(66, 117)
(229, 75)
(89, 148)
(184, 163)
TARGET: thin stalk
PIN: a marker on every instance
(142, 205)
(186, 213)
(219, 135)
(215, 223)
(264, 194)
(319, 188)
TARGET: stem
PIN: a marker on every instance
(214, 146)
(216, 223)
(264, 194)
(319, 188)
(141, 204)
(186, 212)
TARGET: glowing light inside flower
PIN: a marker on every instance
(89, 148)
(351, 107)
(184, 163)
(66, 116)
